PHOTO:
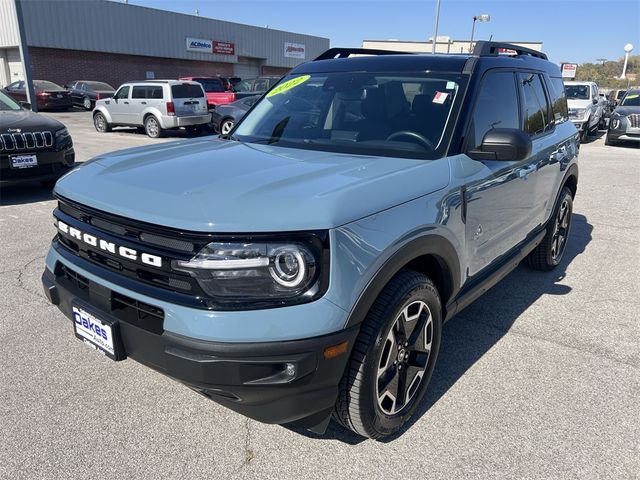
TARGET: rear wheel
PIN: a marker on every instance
(152, 127)
(86, 103)
(393, 357)
(549, 253)
(226, 126)
(101, 124)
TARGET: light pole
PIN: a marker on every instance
(477, 18)
(435, 33)
(627, 50)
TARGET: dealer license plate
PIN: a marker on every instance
(99, 334)
(24, 161)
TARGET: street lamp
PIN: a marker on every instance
(435, 29)
(627, 50)
(477, 18)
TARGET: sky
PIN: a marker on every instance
(571, 30)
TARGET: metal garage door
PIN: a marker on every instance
(247, 67)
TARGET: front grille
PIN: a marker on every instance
(634, 120)
(120, 306)
(126, 233)
(14, 142)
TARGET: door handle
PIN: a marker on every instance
(525, 171)
(143, 103)
(127, 103)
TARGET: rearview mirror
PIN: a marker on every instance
(507, 144)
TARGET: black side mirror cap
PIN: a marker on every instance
(25, 105)
(504, 144)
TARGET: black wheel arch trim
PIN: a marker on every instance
(430, 244)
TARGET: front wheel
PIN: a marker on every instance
(152, 127)
(393, 357)
(226, 126)
(101, 124)
(549, 253)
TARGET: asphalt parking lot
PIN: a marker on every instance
(538, 379)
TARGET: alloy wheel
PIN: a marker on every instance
(226, 127)
(100, 123)
(87, 103)
(152, 127)
(404, 359)
(561, 230)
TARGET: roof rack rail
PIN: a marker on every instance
(488, 49)
(346, 52)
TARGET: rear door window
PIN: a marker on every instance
(139, 92)
(187, 90)
(534, 104)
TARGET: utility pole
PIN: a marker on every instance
(24, 57)
(601, 60)
(435, 33)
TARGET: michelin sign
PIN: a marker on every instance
(199, 45)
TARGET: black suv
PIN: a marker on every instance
(32, 147)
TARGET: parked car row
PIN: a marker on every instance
(624, 125)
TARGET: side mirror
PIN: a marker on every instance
(25, 105)
(506, 144)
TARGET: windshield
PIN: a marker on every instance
(7, 104)
(210, 84)
(44, 85)
(632, 99)
(577, 92)
(384, 114)
(99, 86)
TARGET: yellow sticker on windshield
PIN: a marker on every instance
(635, 95)
(288, 85)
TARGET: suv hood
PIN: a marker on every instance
(213, 185)
(27, 121)
(576, 103)
(627, 110)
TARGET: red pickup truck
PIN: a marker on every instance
(214, 89)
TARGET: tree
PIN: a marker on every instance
(607, 73)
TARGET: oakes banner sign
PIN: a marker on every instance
(294, 50)
(204, 45)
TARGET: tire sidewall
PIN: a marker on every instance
(381, 422)
(149, 119)
(95, 118)
(566, 195)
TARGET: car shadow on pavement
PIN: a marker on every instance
(28, 192)
(472, 333)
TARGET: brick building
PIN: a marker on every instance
(115, 42)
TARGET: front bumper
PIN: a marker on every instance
(51, 165)
(580, 124)
(249, 378)
(624, 130)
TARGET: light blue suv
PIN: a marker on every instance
(303, 266)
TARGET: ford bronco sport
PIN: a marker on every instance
(303, 267)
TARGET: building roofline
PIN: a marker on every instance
(443, 41)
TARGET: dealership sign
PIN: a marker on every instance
(569, 70)
(294, 50)
(199, 45)
(224, 48)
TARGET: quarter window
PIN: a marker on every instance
(558, 100)
(536, 109)
(496, 107)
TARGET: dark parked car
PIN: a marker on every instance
(224, 117)
(32, 147)
(624, 124)
(85, 92)
(254, 86)
(49, 96)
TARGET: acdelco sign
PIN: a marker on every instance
(199, 45)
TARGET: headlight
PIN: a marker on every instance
(63, 132)
(260, 273)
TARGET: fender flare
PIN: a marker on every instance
(156, 113)
(104, 112)
(430, 244)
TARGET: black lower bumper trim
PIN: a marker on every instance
(272, 382)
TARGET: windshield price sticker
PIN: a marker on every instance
(440, 97)
(288, 85)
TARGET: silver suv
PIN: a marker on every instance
(156, 105)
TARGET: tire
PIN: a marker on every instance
(152, 127)
(100, 123)
(548, 254)
(362, 405)
(226, 125)
(86, 103)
